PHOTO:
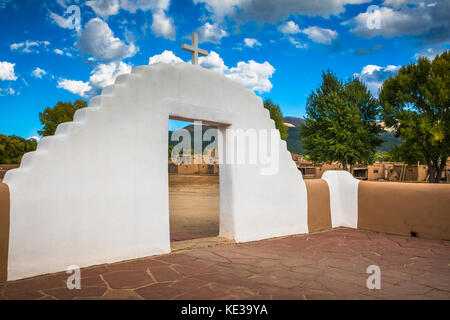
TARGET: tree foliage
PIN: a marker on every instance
(12, 148)
(277, 117)
(416, 104)
(61, 112)
(383, 156)
(341, 122)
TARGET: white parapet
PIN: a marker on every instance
(97, 191)
(343, 198)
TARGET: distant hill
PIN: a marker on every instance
(190, 128)
(205, 127)
(295, 145)
(389, 142)
(294, 141)
(294, 121)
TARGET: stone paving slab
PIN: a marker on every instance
(326, 265)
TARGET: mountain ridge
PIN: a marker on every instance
(294, 140)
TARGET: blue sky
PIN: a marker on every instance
(277, 48)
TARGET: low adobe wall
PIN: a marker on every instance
(340, 200)
(4, 231)
(319, 214)
(402, 208)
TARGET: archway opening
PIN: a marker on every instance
(193, 175)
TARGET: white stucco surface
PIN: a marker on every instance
(97, 191)
(343, 198)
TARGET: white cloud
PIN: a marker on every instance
(274, 11)
(211, 33)
(60, 21)
(163, 26)
(394, 3)
(251, 43)
(63, 52)
(252, 75)
(73, 19)
(29, 46)
(38, 73)
(98, 39)
(105, 74)
(104, 8)
(63, 3)
(297, 43)
(35, 138)
(429, 53)
(289, 27)
(4, 3)
(7, 71)
(144, 5)
(428, 22)
(213, 62)
(373, 75)
(220, 8)
(16, 46)
(320, 35)
(76, 87)
(165, 57)
(7, 92)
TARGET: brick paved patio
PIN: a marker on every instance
(327, 265)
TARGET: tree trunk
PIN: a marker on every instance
(435, 170)
(431, 172)
(440, 170)
(344, 166)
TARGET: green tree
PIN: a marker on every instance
(341, 123)
(277, 117)
(12, 148)
(382, 156)
(416, 104)
(61, 112)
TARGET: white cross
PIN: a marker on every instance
(194, 48)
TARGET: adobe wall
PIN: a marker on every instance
(340, 200)
(4, 231)
(375, 172)
(319, 215)
(402, 208)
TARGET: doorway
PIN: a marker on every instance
(194, 189)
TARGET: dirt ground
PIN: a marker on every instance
(194, 205)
